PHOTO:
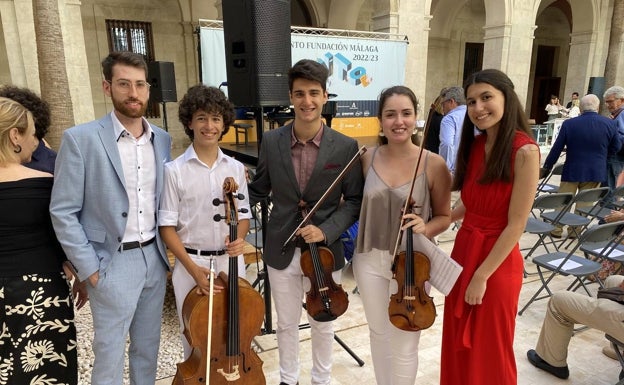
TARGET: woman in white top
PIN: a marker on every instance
(389, 169)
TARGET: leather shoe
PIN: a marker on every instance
(283, 383)
(557, 371)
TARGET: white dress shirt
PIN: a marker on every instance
(139, 169)
(187, 201)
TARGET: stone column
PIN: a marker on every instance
(19, 37)
(414, 23)
(582, 46)
(509, 47)
(76, 61)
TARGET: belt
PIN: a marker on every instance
(136, 244)
(205, 253)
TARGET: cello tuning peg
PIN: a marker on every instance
(240, 196)
(217, 201)
(218, 217)
(243, 210)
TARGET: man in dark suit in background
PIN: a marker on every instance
(588, 140)
(297, 164)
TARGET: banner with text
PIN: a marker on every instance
(359, 68)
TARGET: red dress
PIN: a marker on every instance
(477, 341)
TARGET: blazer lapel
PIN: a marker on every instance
(107, 136)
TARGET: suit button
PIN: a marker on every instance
(124, 214)
(119, 239)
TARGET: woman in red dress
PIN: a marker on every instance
(497, 173)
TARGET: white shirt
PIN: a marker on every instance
(187, 201)
(450, 135)
(139, 168)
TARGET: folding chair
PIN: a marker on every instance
(565, 264)
(542, 229)
(612, 251)
(618, 346)
(610, 202)
(544, 187)
(577, 223)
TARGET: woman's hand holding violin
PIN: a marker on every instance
(414, 221)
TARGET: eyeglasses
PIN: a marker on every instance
(610, 101)
(125, 86)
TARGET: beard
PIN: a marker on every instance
(120, 105)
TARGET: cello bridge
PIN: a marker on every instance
(233, 376)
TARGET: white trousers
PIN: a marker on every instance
(288, 288)
(183, 282)
(394, 351)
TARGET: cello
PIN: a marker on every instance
(411, 308)
(229, 359)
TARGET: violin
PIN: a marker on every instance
(229, 359)
(411, 308)
(326, 300)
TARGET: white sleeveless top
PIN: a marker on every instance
(380, 215)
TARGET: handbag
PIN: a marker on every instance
(612, 293)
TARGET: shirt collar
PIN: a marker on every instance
(119, 128)
(190, 154)
(316, 140)
(617, 112)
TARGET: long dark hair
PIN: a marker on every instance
(498, 165)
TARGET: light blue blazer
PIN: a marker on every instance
(89, 202)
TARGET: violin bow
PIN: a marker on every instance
(210, 307)
(340, 176)
(409, 195)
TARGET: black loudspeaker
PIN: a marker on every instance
(596, 86)
(257, 51)
(161, 76)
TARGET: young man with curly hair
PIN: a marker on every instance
(192, 182)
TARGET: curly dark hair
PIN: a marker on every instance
(32, 102)
(208, 99)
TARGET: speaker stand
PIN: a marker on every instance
(164, 108)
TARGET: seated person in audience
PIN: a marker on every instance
(565, 309)
(192, 181)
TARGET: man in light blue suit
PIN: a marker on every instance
(107, 184)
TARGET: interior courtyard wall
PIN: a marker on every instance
(169, 45)
(446, 45)
(553, 30)
(18, 30)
